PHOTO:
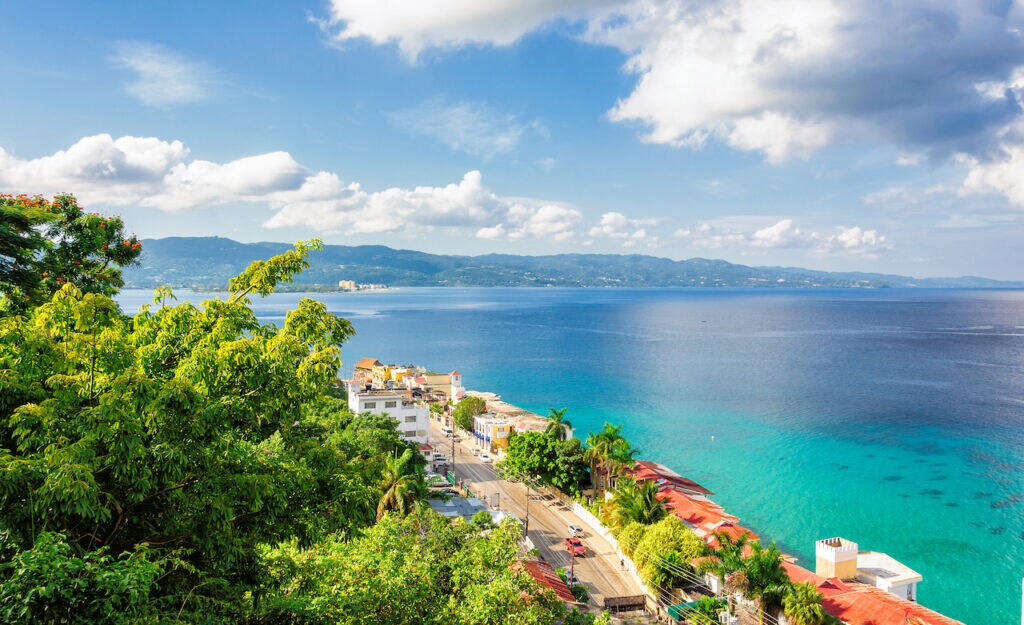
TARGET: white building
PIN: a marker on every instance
(411, 415)
(839, 557)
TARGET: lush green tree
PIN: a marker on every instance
(604, 450)
(539, 456)
(558, 425)
(466, 409)
(634, 502)
(404, 485)
(766, 582)
(44, 245)
(727, 558)
(706, 611)
(666, 536)
(802, 605)
(482, 519)
(50, 583)
(419, 569)
(630, 536)
(183, 428)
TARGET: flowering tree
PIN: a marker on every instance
(46, 244)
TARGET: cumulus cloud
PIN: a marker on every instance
(1004, 175)
(630, 231)
(415, 25)
(781, 78)
(471, 127)
(742, 234)
(150, 172)
(161, 77)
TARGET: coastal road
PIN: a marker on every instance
(599, 571)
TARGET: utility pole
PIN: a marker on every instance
(452, 428)
(526, 530)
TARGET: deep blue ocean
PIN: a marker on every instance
(894, 418)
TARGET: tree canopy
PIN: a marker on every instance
(466, 409)
(542, 456)
(47, 244)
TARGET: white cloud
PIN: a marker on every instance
(163, 78)
(742, 234)
(1003, 174)
(783, 78)
(630, 231)
(150, 172)
(471, 127)
(97, 169)
(547, 164)
(415, 25)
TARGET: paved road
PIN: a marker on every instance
(548, 522)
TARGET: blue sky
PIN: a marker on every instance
(871, 136)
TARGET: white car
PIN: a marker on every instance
(575, 530)
(485, 458)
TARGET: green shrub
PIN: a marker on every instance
(629, 537)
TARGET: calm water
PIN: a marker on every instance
(894, 418)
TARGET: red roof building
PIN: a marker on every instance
(863, 604)
(703, 515)
(546, 576)
(645, 470)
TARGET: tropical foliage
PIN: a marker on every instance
(147, 458)
(634, 502)
(417, 569)
(466, 409)
(660, 541)
(609, 455)
(544, 458)
(47, 244)
(558, 425)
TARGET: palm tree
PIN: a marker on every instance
(622, 457)
(600, 449)
(558, 425)
(766, 581)
(636, 503)
(706, 611)
(802, 605)
(403, 485)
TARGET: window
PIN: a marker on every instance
(410, 418)
(410, 433)
(390, 404)
(370, 405)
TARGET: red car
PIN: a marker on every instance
(575, 546)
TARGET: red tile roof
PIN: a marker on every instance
(864, 604)
(702, 514)
(454, 373)
(546, 576)
(425, 447)
(645, 470)
(733, 530)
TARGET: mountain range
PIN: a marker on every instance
(208, 263)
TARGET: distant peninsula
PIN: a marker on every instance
(208, 263)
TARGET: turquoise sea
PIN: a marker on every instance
(894, 418)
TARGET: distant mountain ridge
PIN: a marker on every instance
(208, 262)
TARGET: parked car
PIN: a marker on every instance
(485, 458)
(572, 580)
(476, 452)
(439, 459)
(575, 530)
(575, 546)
